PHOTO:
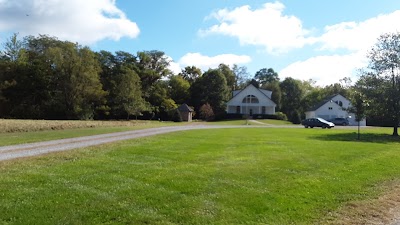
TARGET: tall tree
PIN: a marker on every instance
(229, 76)
(241, 76)
(210, 88)
(76, 71)
(179, 89)
(276, 93)
(120, 80)
(191, 73)
(359, 107)
(13, 48)
(384, 60)
(265, 75)
(129, 93)
(29, 95)
(292, 94)
(151, 67)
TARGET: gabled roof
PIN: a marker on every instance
(323, 102)
(259, 89)
(185, 108)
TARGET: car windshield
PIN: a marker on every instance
(322, 120)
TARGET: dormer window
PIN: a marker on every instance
(250, 99)
(340, 103)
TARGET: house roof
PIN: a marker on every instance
(259, 89)
(185, 108)
(323, 102)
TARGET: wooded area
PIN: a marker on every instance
(45, 78)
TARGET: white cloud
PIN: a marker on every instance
(173, 66)
(83, 21)
(326, 69)
(360, 36)
(266, 27)
(206, 62)
(355, 37)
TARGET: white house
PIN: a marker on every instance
(250, 101)
(334, 107)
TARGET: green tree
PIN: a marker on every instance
(13, 48)
(129, 93)
(76, 73)
(179, 89)
(211, 88)
(229, 76)
(159, 100)
(169, 108)
(26, 78)
(264, 76)
(292, 94)
(359, 107)
(120, 80)
(191, 74)
(384, 64)
(151, 67)
(336, 88)
(276, 93)
(241, 76)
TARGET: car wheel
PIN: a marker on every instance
(344, 124)
(323, 127)
(305, 126)
(311, 127)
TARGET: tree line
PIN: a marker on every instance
(42, 77)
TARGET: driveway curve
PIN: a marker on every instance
(38, 148)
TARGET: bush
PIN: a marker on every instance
(281, 116)
(206, 112)
(295, 117)
(176, 117)
(264, 116)
(231, 116)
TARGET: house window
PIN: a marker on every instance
(250, 99)
(340, 103)
(263, 110)
(238, 109)
(330, 108)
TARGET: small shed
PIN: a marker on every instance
(186, 112)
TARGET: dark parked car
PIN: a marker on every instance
(340, 121)
(317, 122)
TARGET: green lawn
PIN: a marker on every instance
(227, 176)
(275, 122)
(250, 122)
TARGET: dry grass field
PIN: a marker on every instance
(10, 125)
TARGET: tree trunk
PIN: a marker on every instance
(358, 136)
(395, 128)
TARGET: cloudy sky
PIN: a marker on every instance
(308, 39)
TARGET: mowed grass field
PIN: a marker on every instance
(220, 176)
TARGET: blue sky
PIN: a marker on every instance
(309, 39)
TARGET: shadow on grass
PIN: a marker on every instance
(364, 137)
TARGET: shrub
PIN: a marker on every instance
(281, 116)
(295, 117)
(206, 112)
(176, 116)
